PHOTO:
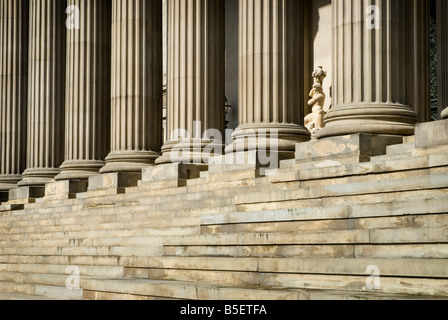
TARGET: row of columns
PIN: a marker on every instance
(104, 97)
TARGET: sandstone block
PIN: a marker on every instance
(26, 193)
(65, 187)
(338, 150)
(431, 134)
(174, 171)
(113, 180)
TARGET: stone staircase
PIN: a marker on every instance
(307, 230)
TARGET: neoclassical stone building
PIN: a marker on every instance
(84, 98)
(102, 100)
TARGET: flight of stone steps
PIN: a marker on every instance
(376, 229)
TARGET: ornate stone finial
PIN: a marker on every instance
(445, 114)
(315, 120)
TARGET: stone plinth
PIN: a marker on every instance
(172, 171)
(431, 134)
(65, 189)
(113, 180)
(344, 149)
(25, 193)
(254, 160)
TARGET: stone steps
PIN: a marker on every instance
(418, 268)
(367, 218)
(66, 260)
(375, 186)
(417, 206)
(421, 158)
(294, 234)
(88, 222)
(97, 287)
(423, 221)
(375, 236)
(404, 148)
(21, 297)
(414, 251)
(429, 287)
(40, 291)
(105, 251)
(10, 270)
(433, 181)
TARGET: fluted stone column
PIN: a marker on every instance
(272, 74)
(87, 118)
(379, 79)
(13, 90)
(136, 111)
(195, 81)
(46, 87)
(442, 57)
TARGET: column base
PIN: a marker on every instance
(268, 137)
(79, 170)
(38, 177)
(391, 119)
(190, 151)
(129, 161)
(8, 182)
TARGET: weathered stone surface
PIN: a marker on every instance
(113, 180)
(175, 171)
(26, 193)
(431, 134)
(340, 150)
(65, 187)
